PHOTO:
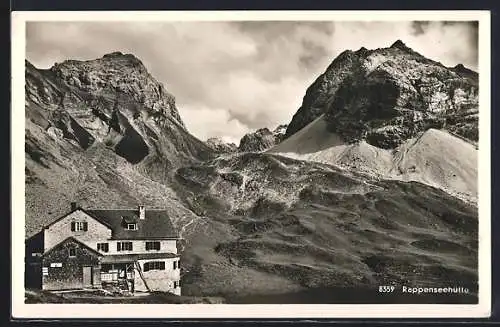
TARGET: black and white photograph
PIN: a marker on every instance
(304, 161)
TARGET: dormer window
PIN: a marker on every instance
(131, 227)
(129, 222)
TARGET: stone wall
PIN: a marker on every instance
(65, 272)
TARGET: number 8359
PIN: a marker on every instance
(386, 289)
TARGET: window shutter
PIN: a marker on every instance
(85, 226)
(72, 226)
(158, 245)
(162, 265)
(118, 246)
(175, 264)
(179, 264)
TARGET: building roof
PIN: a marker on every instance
(67, 214)
(74, 240)
(156, 225)
(121, 258)
(130, 219)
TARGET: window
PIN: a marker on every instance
(175, 284)
(131, 227)
(175, 265)
(72, 252)
(154, 265)
(104, 247)
(78, 226)
(124, 246)
(152, 245)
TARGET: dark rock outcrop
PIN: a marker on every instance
(388, 95)
(262, 139)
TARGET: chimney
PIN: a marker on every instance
(74, 206)
(142, 212)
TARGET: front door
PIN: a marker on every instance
(87, 276)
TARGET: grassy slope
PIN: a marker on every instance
(285, 232)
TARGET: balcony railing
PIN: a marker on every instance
(114, 276)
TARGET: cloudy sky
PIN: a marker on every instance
(230, 78)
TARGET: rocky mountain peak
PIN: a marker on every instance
(219, 146)
(387, 95)
(463, 71)
(128, 57)
(112, 102)
(124, 74)
(362, 51)
(262, 139)
(399, 45)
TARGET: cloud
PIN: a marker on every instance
(230, 78)
(450, 43)
(211, 122)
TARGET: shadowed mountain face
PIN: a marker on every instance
(105, 133)
(386, 96)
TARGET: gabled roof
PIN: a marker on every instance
(156, 225)
(69, 213)
(71, 238)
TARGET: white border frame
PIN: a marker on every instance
(194, 311)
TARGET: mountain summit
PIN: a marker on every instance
(400, 45)
(112, 101)
(388, 95)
